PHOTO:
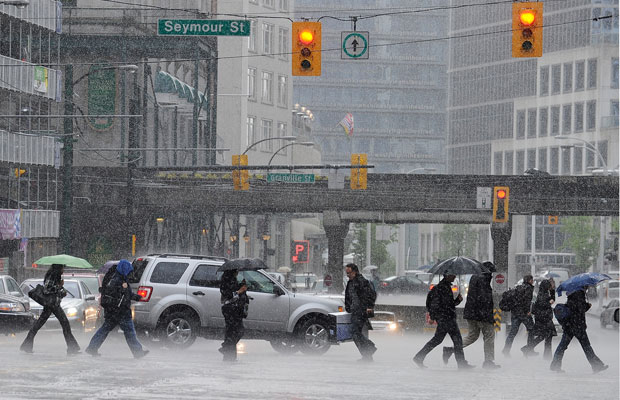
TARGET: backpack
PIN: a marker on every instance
(109, 295)
(433, 304)
(508, 300)
(562, 313)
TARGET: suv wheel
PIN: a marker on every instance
(179, 330)
(285, 345)
(313, 337)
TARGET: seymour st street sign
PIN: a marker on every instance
(203, 27)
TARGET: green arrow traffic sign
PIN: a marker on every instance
(203, 27)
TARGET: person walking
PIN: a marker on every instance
(544, 329)
(53, 287)
(234, 308)
(521, 314)
(576, 327)
(359, 300)
(116, 300)
(441, 306)
(479, 316)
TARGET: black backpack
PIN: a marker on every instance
(508, 300)
(110, 297)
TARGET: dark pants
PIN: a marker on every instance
(449, 327)
(72, 344)
(585, 345)
(126, 324)
(516, 322)
(539, 338)
(233, 332)
(365, 346)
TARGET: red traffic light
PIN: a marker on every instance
(527, 17)
(501, 194)
(306, 36)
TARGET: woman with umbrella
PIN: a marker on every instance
(234, 308)
(53, 287)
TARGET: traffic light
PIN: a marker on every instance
(527, 29)
(500, 203)
(306, 48)
(241, 177)
(552, 219)
(359, 176)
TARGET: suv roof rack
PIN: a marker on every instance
(192, 256)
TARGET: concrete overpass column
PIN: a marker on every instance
(336, 231)
(501, 233)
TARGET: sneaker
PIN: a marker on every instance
(367, 358)
(490, 365)
(419, 363)
(72, 352)
(527, 352)
(92, 352)
(447, 353)
(557, 368)
(141, 354)
(465, 365)
(26, 349)
(599, 368)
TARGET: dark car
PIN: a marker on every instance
(402, 285)
(15, 314)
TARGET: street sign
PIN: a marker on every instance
(483, 197)
(327, 280)
(500, 284)
(354, 45)
(203, 27)
(499, 278)
(300, 251)
(291, 178)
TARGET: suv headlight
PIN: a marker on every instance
(71, 311)
(13, 307)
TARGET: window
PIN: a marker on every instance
(531, 158)
(520, 124)
(282, 91)
(578, 117)
(566, 160)
(542, 159)
(509, 162)
(269, 3)
(556, 78)
(590, 154)
(531, 123)
(267, 133)
(555, 120)
(544, 81)
(283, 47)
(543, 122)
(497, 167)
(168, 272)
(206, 276)
(602, 150)
(568, 77)
(591, 115)
(567, 118)
(253, 36)
(267, 88)
(578, 160)
(284, 5)
(554, 167)
(256, 281)
(267, 38)
(282, 133)
(614, 73)
(252, 83)
(251, 130)
(580, 75)
(520, 162)
(592, 73)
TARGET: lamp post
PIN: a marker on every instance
(267, 139)
(423, 169)
(590, 147)
(289, 145)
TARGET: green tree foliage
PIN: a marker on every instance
(581, 238)
(458, 239)
(379, 254)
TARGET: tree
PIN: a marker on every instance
(379, 254)
(582, 238)
(457, 239)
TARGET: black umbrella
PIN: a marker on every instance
(243, 264)
(458, 266)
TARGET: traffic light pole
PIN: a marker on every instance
(336, 231)
(501, 233)
(67, 152)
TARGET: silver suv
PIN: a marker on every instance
(181, 300)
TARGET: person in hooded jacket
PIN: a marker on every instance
(234, 306)
(53, 286)
(118, 313)
(359, 300)
(544, 328)
(576, 327)
(479, 315)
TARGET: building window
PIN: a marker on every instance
(509, 162)
(578, 160)
(543, 122)
(283, 47)
(555, 120)
(282, 133)
(556, 78)
(602, 149)
(266, 133)
(592, 73)
(520, 124)
(284, 5)
(580, 75)
(252, 83)
(590, 155)
(531, 158)
(267, 88)
(520, 162)
(544, 81)
(567, 118)
(542, 159)
(568, 77)
(531, 123)
(614, 73)
(497, 167)
(251, 130)
(269, 3)
(565, 160)
(579, 117)
(554, 167)
(282, 91)
(591, 115)
(253, 36)
(267, 38)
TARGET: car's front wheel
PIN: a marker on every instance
(179, 330)
(313, 336)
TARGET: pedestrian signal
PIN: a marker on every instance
(527, 29)
(500, 203)
(552, 219)
(241, 177)
(359, 176)
(306, 49)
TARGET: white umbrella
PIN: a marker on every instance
(369, 268)
(284, 270)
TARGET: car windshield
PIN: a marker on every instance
(91, 282)
(73, 291)
(614, 284)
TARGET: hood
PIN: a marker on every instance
(13, 299)
(321, 299)
(124, 267)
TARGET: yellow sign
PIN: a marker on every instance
(241, 177)
(359, 176)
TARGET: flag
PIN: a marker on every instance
(347, 124)
(23, 244)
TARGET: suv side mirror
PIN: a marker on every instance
(277, 290)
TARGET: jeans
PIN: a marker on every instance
(72, 344)
(537, 339)
(516, 322)
(365, 346)
(488, 336)
(126, 324)
(445, 327)
(585, 345)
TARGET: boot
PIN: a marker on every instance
(447, 353)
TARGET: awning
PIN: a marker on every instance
(166, 83)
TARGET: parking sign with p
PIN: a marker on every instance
(300, 251)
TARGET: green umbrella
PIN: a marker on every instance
(64, 259)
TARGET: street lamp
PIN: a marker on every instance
(423, 169)
(588, 146)
(16, 3)
(288, 145)
(267, 139)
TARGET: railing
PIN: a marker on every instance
(19, 76)
(44, 13)
(29, 149)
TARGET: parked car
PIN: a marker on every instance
(79, 305)
(386, 321)
(9, 286)
(15, 314)
(607, 315)
(181, 301)
(402, 285)
(421, 275)
(455, 284)
(613, 289)
(93, 281)
(304, 282)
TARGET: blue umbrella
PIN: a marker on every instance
(580, 281)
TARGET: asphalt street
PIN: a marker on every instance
(262, 373)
